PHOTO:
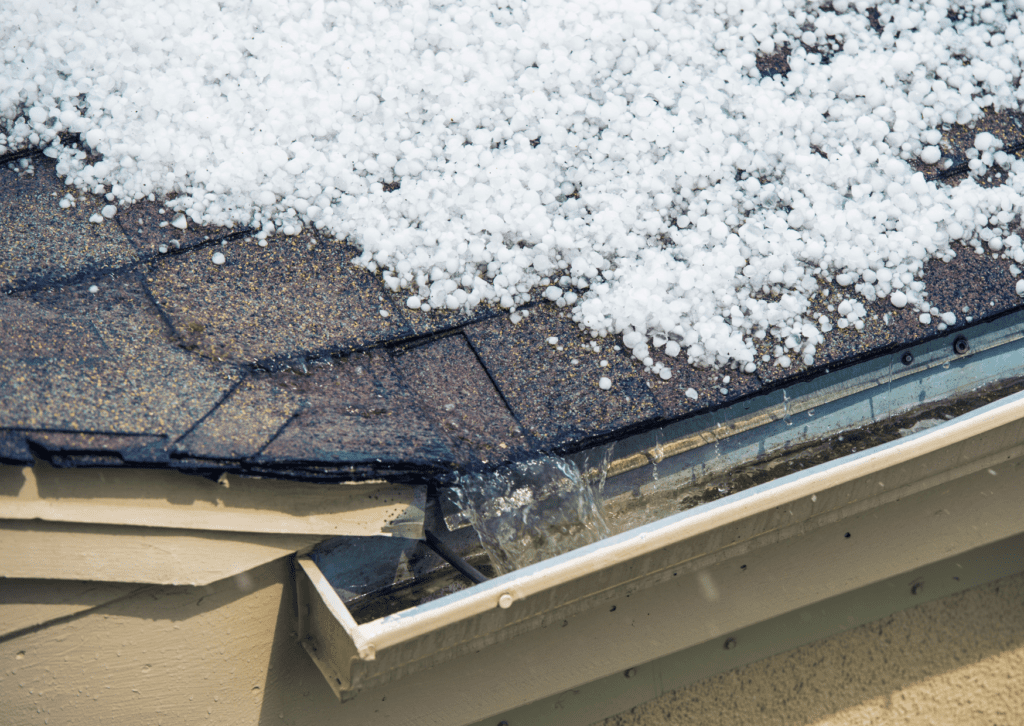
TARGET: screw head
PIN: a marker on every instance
(907, 358)
(630, 672)
(960, 345)
(729, 644)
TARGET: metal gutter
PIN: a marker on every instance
(703, 452)
(872, 486)
(822, 407)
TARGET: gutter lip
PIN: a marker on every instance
(855, 376)
(422, 619)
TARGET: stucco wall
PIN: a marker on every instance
(956, 661)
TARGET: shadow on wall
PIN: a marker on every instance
(956, 660)
(229, 651)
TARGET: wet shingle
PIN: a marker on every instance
(268, 303)
(82, 448)
(884, 326)
(101, 378)
(244, 422)
(150, 231)
(14, 449)
(357, 413)
(17, 165)
(558, 402)
(970, 285)
(990, 292)
(958, 139)
(455, 390)
(708, 383)
(41, 243)
(125, 375)
(32, 331)
(775, 63)
(440, 320)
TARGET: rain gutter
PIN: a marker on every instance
(748, 558)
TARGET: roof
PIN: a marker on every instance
(288, 360)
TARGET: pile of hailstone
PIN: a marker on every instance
(624, 160)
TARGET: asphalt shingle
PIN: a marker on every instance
(294, 296)
(557, 401)
(103, 362)
(456, 392)
(358, 416)
(149, 227)
(289, 360)
(42, 243)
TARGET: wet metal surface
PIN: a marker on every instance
(703, 459)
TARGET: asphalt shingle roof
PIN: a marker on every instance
(290, 361)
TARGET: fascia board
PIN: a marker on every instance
(170, 499)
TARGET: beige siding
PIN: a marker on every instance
(227, 654)
(958, 661)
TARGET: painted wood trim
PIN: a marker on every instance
(168, 655)
(165, 498)
(151, 555)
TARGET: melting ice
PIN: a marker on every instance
(531, 510)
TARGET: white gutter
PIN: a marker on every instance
(354, 656)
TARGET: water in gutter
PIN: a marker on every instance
(663, 497)
(532, 510)
(550, 505)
